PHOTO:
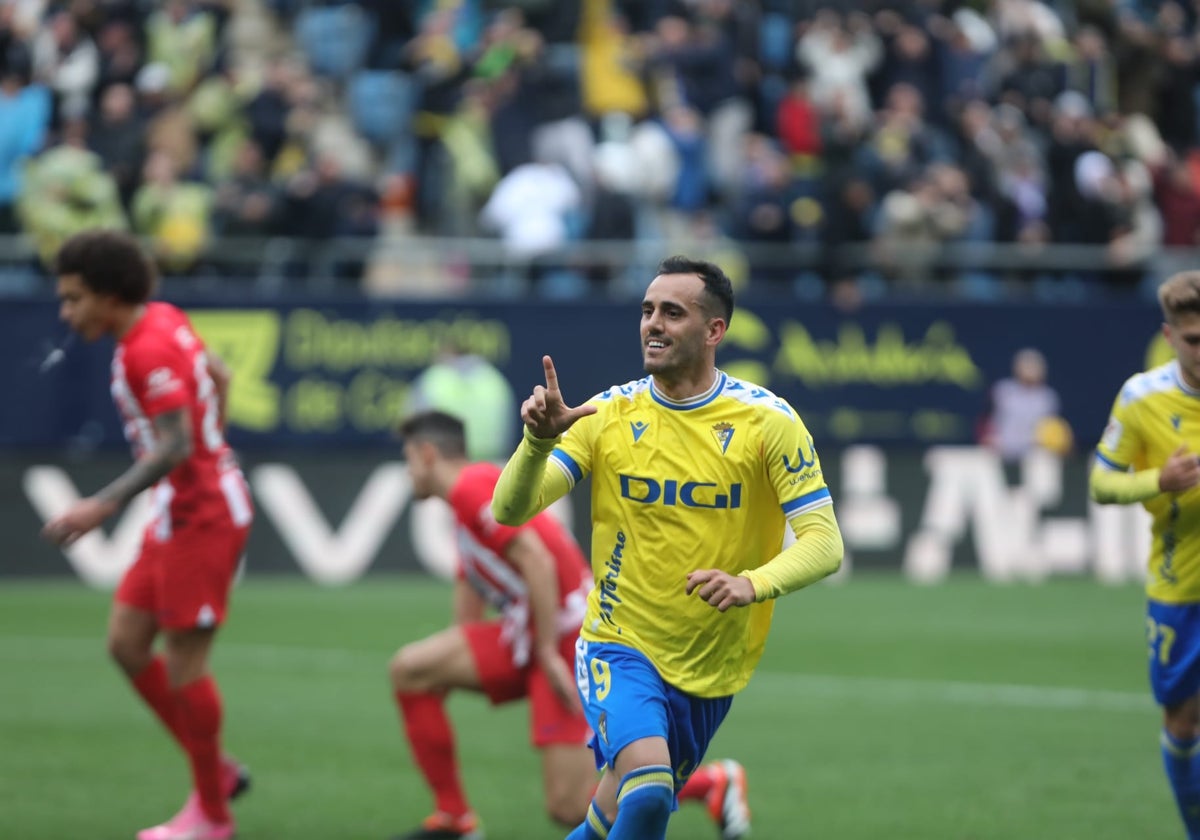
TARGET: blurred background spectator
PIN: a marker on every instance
(809, 128)
(1025, 411)
(24, 119)
(472, 389)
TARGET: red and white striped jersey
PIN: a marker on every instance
(482, 542)
(159, 366)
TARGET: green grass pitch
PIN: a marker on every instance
(881, 710)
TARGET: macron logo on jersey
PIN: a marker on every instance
(638, 428)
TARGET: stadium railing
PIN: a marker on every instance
(421, 266)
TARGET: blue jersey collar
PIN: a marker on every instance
(691, 402)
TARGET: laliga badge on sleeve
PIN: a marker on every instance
(1112, 434)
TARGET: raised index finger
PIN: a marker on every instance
(551, 375)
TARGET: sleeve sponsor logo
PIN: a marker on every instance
(804, 460)
(803, 477)
(486, 521)
(160, 382)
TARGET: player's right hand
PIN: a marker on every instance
(561, 679)
(82, 517)
(1180, 472)
(544, 413)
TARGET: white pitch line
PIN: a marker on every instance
(953, 692)
(891, 689)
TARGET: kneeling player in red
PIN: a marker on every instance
(536, 577)
(170, 394)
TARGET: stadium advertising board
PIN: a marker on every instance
(334, 375)
(337, 517)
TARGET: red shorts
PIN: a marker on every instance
(185, 580)
(503, 681)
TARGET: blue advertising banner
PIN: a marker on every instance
(322, 373)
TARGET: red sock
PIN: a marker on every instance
(199, 705)
(699, 784)
(432, 742)
(152, 684)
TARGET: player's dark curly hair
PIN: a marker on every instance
(109, 262)
(445, 431)
(716, 284)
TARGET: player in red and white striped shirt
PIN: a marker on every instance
(170, 394)
(536, 578)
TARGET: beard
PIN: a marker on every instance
(679, 355)
(658, 363)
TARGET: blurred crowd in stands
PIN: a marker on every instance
(711, 125)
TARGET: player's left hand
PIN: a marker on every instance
(82, 517)
(719, 589)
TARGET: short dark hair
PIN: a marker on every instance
(445, 431)
(110, 262)
(716, 284)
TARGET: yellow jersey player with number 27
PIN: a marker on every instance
(695, 476)
(1148, 455)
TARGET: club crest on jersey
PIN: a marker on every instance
(637, 428)
(723, 433)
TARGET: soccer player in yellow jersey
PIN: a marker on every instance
(1148, 455)
(695, 475)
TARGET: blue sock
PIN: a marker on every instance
(594, 826)
(1182, 762)
(644, 804)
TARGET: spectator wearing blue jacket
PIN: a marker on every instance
(24, 118)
